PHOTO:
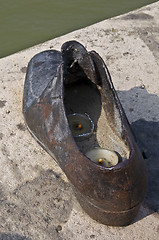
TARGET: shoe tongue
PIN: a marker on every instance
(77, 61)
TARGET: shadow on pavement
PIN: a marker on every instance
(8, 236)
(141, 105)
(147, 137)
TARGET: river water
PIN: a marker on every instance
(24, 23)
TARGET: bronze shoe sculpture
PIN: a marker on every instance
(71, 108)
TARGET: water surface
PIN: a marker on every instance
(24, 23)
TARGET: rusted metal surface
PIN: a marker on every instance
(111, 196)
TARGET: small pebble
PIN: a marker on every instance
(142, 86)
(59, 228)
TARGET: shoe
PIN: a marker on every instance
(72, 110)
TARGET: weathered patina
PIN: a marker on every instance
(113, 195)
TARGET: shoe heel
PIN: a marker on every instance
(121, 218)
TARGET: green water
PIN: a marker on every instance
(24, 23)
